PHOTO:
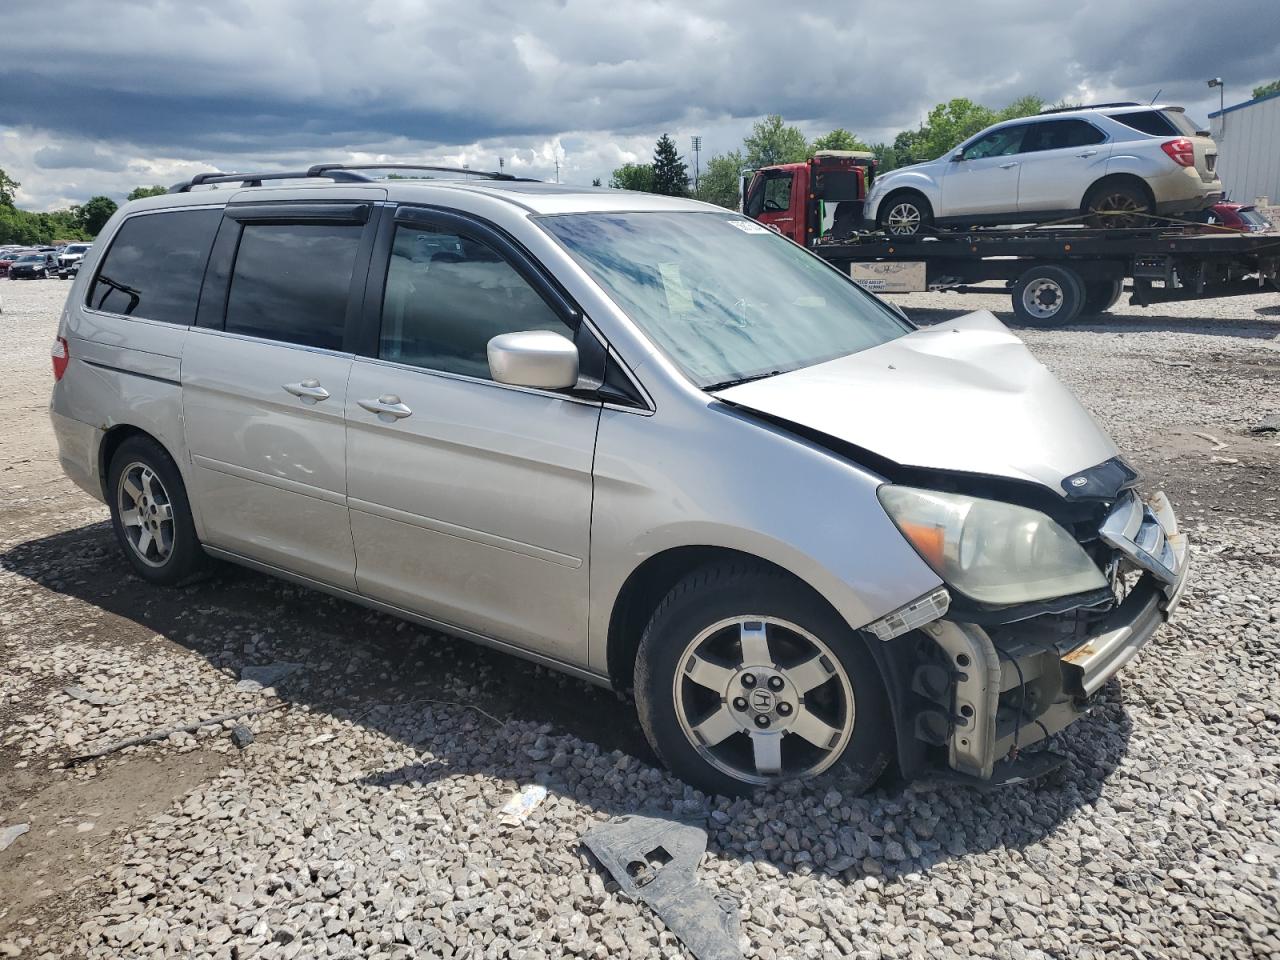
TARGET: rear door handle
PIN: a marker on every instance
(1088, 153)
(388, 408)
(1006, 166)
(309, 391)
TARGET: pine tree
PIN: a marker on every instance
(670, 175)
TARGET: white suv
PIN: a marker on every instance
(1113, 164)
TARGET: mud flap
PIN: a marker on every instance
(655, 861)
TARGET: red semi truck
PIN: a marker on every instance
(821, 196)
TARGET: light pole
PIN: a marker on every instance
(697, 151)
(1222, 103)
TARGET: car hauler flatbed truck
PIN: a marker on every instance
(1055, 275)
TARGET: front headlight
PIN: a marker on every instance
(990, 551)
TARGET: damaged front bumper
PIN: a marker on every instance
(1014, 686)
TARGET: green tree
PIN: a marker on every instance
(951, 122)
(907, 147)
(633, 176)
(1266, 89)
(886, 157)
(839, 139)
(721, 181)
(137, 193)
(670, 175)
(1027, 105)
(8, 188)
(93, 215)
(595, 181)
(772, 141)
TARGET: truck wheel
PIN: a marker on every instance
(744, 679)
(1117, 205)
(904, 214)
(1048, 296)
(1100, 296)
(150, 513)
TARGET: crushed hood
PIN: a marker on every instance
(964, 395)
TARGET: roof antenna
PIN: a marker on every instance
(1153, 99)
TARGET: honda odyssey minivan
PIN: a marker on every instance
(636, 438)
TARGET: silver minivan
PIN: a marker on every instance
(636, 438)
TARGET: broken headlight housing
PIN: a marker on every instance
(992, 552)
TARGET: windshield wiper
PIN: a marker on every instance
(736, 381)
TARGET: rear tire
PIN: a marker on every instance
(904, 214)
(151, 515)
(1117, 205)
(784, 690)
(1100, 296)
(1047, 295)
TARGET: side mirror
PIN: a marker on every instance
(957, 157)
(534, 358)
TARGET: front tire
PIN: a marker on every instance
(151, 514)
(904, 215)
(745, 678)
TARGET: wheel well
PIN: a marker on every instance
(902, 192)
(1114, 179)
(644, 590)
(110, 444)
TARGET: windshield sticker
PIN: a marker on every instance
(679, 301)
(748, 226)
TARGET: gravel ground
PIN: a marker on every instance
(362, 821)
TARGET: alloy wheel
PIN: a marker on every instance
(762, 699)
(903, 220)
(146, 513)
(1120, 210)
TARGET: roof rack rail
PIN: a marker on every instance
(1091, 106)
(324, 169)
(255, 179)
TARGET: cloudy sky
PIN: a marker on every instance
(100, 97)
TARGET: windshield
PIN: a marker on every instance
(76, 248)
(30, 257)
(724, 297)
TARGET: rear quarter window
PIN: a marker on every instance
(154, 266)
(1152, 122)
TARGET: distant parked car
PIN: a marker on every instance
(69, 259)
(1111, 164)
(1237, 217)
(33, 266)
(9, 256)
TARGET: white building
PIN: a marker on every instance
(1248, 136)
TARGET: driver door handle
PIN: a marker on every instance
(1006, 166)
(388, 407)
(1088, 153)
(309, 391)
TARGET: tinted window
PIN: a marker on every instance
(447, 296)
(771, 194)
(997, 143)
(1148, 121)
(291, 282)
(155, 264)
(1060, 134)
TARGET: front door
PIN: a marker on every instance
(984, 180)
(470, 500)
(777, 203)
(264, 378)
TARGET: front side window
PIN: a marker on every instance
(291, 282)
(998, 143)
(155, 264)
(725, 298)
(771, 196)
(1061, 134)
(447, 296)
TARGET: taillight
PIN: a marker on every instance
(61, 357)
(1180, 151)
